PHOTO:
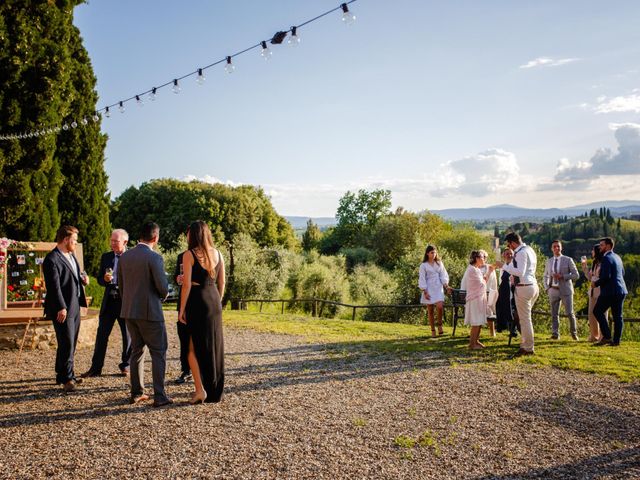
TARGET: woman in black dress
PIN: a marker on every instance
(201, 310)
(504, 305)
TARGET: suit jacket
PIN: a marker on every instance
(567, 267)
(143, 284)
(175, 275)
(611, 280)
(64, 289)
(111, 300)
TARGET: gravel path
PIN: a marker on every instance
(298, 410)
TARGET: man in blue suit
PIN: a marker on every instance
(612, 293)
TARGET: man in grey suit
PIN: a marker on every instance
(143, 286)
(559, 273)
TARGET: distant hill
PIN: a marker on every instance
(300, 223)
(511, 212)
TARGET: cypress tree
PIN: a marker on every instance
(46, 80)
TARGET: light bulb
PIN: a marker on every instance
(74, 124)
(121, 107)
(36, 134)
(152, 94)
(139, 101)
(43, 132)
(294, 38)
(95, 118)
(229, 67)
(200, 78)
(347, 17)
(106, 112)
(65, 127)
(84, 121)
(265, 52)
(176, 87)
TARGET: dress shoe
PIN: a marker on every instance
(124, 372)
(603, 341)
(139, 398)
(70, 386)
(90, 373)
(162, 403)
(575, 336)
(614, 344)
(184, 377)
(195, 398)
(555, 336)
(77, 380)
(523, 352)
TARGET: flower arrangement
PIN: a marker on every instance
(5, 243)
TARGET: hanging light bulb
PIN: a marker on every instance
(139, 101)
(176, 87)
(229, 67)
(36, 134)
(121, 106)
(265, 52)
(65, 127)
(84, 121)
(43, 132)
(200, 78)
(152, 94)
(106, 112)
(347, 17)
(95, 117)
(294, 38)
(74, 124)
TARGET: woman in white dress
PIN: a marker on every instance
(592, 275)
(433, 281)
(475, 282)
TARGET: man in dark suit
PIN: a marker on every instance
(110, 308)
(65, 295)
(613, 290)
(183, 334)
(143, 286)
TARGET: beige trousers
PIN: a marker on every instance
(525, 298)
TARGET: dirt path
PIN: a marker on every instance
(295, 410)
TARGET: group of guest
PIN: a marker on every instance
(511, 303)
(135, 285)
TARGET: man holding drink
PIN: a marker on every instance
(110, 308)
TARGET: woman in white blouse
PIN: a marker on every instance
(433, 280)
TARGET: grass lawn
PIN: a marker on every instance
(375, 337)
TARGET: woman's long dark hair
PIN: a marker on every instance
(597, 256)
(199, 236)
(426, 254)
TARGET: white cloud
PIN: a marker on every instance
(209, 179)
(628, 103)
(547, 62)
(489, 172)
(605, 162)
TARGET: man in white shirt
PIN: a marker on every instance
(559, 273)
(523, 269)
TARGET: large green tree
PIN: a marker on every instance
(46, 80)
(229, 211)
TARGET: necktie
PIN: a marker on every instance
(554, 281)
(115, 269)
(516, 280)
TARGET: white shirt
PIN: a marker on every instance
(526, 259)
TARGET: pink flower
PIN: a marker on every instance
(5, 243)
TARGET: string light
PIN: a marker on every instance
(265, 52)
(201, 78)
(347, 17)
(229, 67)
(293, 40)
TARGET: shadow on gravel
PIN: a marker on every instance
(29, 394)
(621, 464)
(318, 363)
(587, 419)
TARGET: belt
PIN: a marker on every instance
(524, 284)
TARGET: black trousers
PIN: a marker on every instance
(183, 335)
(105, 326)
(67, 338)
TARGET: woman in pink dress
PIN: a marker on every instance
(475, 282)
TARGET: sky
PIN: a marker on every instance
(450, 104)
